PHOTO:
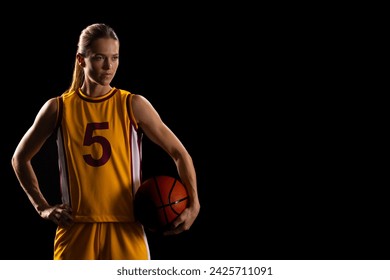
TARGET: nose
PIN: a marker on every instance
(108, 64)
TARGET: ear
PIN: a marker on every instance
(80, 59)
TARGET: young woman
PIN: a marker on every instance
(99, 130)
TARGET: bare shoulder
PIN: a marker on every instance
(47, 115)
(142, 107)
(51, 105)
(139, 100)
(49, 108)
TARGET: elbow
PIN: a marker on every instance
(14, 161)
(181, 156)
(17, 161)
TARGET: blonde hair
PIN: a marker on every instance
(87, 37)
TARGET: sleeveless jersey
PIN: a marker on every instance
(99, 155)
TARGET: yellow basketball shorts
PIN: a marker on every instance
(101, 241)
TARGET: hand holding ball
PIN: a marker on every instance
(159, 201)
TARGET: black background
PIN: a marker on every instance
(283, 169)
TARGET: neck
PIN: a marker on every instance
(95, 90)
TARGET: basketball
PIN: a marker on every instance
(159, 201)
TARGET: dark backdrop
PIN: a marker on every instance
(282, 172)
(179, 64)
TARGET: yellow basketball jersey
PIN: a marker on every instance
(100, 150)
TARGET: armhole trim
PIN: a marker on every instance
(129, 100)
(60, 105)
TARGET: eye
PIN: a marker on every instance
(98, 58)
(114, 58)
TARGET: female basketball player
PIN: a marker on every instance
(99, 129)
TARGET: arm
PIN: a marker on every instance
(28, 147)
(155, 129)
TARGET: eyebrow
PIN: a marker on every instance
(102, 54)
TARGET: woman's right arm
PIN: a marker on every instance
(30, 144)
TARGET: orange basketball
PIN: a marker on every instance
(159, 200)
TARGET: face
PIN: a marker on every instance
(101, 62)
